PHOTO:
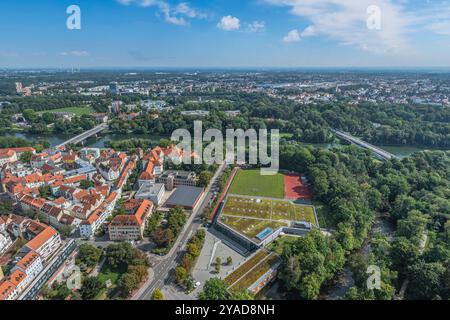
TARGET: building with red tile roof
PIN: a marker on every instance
(45, 243)
(130, 227)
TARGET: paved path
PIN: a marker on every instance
(164, 268)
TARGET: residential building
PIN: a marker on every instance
(30, 264)
(7, 156)
(5, 242)
(45, 243)
(130, 227)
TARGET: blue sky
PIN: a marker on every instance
(225, 33)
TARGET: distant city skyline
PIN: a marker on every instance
(250, 34)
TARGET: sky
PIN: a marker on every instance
(225, 33)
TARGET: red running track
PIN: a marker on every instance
(294, 189)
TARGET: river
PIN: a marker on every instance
(400, 151)
(100, 142)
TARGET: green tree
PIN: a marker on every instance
(128, 282)
(425, 280)
(90, 288)
(181, 274)
(413, 226)
(193, 250)
(25, 157)
(218, 264)
(204, 178)
(404, 253)
(88, 255)
(214, 289)
(86, 184)
(30, 115)
(157, 295)
(45, 192)
(120, 254)
(176, 220)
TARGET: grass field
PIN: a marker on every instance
(79, 111)
(268, 209)
(250, 216)
(251, 227)
(252, 183)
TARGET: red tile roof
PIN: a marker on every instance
(41, 238)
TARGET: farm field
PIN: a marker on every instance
(252, 183)
(79, 111)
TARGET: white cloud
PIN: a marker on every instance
(346, 22)
(75, 53)
(310, 31)
(256, 26)
(292, 36)
(442, 28)
(229, 23)
(185, 9)
(175, 15)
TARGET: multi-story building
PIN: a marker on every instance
(151, 191)
(130, 227)
(7, 156)
(172, 179)
(8, 290)
(97, 219)
(30, 265)
(5, 242)
(45, 243)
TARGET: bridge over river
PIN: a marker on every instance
(85, 135)
(380, 153)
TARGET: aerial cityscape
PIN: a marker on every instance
(148, 178)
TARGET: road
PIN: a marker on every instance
(164, 268)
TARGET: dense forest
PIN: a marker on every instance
(388, 124)
(414, 193)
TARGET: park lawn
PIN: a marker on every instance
(108, 273)
(252, 183)
(79, 111)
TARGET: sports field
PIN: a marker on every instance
(295, 189)
(252, 183)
